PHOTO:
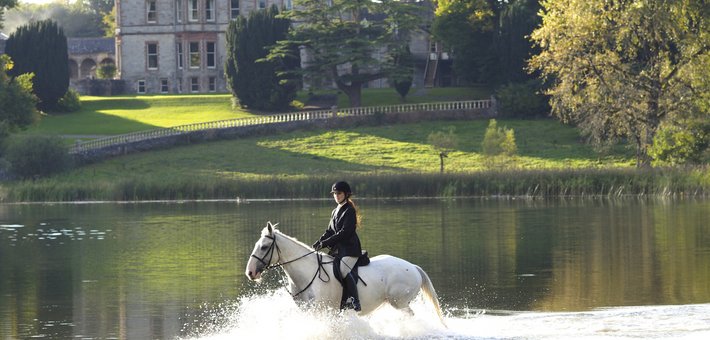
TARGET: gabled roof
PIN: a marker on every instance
(91, 45)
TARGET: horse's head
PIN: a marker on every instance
(265, 253)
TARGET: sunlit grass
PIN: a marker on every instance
(133, 113)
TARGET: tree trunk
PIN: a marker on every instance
(442, 155)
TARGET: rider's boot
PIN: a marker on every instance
(351, 286)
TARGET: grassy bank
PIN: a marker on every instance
(381, 161)
(385, 161)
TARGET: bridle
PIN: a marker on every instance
(270, 253)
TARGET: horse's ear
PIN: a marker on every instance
(270, 227)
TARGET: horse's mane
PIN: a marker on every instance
(291, 238)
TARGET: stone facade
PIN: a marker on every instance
(176, 46)
(179, 46)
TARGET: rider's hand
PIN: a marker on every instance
(317, 246)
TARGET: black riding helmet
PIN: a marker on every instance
(341, 186)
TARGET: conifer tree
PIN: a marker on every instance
(41, 48)
(255, 82)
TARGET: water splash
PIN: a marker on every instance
(274, 315)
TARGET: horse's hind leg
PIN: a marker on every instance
(402, 305)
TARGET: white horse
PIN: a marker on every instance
(311, 280)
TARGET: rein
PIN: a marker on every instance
(270, 252)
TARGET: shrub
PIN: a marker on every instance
(521, 100)
(498, 142)
(69, 103)
(106, 71)
(38, 156)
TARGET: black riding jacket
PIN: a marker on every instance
(340, 235)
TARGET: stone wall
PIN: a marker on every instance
(98, 87)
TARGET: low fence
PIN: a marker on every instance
(279, 118)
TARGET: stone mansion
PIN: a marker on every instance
(179, 46)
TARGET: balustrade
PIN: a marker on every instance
(278, 118)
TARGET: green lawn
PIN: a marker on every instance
(132, 113)
(541, 144)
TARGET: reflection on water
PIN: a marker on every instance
(502, 269)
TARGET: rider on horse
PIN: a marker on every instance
(341, 237)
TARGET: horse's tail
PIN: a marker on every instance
(430, 293)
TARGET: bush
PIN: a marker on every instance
(498, 142)
(106, 71)
(521, 100)
(69, 103)
(38, 156)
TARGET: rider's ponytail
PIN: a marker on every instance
(357, 213)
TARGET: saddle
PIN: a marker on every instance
(362, 261)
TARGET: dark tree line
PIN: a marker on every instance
(258, 83)
(41, 48)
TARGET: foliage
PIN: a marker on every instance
(5, 4)
(406, 59)
(69, 103)
(109, 21)
(106, 71)
(77, 19)
(443, 143)
(17, 103)
(619, 69)
(677, 145)
(257, 83)
(488, 38)
(521, 100)
(38, 155)
(41, 48)
(466, 28)
(498, 142)
(343, 47)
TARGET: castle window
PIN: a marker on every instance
(152, 14)
(195, 84)
(194, 10)
(211, 58)
(262, 4)
(179, 55)
(234, 9)
(179, 85)
(209, 10)
(289, 4)
(213, 84)
(194, 55)
(141, 85)
(178, 9)
(152, 56)
(164, 86)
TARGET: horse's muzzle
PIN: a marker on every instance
(253, 272)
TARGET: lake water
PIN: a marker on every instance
(503, 268)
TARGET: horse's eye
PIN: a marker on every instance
(264, 247)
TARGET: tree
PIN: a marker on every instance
(498, 142)
(407, 61)
(17, 103)
(106, 71)
(5, 4)
(41, 48)
(443, 143)
(351, 42)
(619, 69)
(258, 83)
(77, 19)
(466, 27)
(109, 20)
